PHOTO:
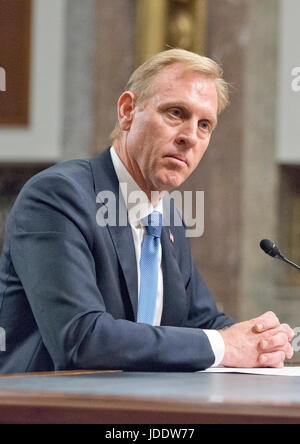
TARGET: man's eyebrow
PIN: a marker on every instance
(174, 104)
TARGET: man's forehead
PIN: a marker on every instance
(179, 72)
(176, 81)
(175, 76)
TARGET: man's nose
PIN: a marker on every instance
(188, 135)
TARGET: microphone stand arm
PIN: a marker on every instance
(284, 259)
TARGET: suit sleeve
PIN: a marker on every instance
(51, 249)
(203, 311)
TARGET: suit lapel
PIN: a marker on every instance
(124, 245)
(106, 179)
(175, 303)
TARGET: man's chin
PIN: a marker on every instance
(169, 183)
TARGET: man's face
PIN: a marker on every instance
(170, 134)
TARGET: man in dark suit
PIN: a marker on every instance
(75, 284)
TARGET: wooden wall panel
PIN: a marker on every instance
(15, 31)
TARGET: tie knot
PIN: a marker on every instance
(153, 224)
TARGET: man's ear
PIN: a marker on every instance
(126, 108)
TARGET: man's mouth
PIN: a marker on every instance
(179, 159)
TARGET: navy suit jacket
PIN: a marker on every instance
(68, 287)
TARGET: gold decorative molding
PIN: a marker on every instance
(151, 28)
(170, 23)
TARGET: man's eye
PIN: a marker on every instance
(204, 125)
(176, 112)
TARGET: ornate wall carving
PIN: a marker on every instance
(170, 23)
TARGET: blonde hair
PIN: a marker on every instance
(141, 81)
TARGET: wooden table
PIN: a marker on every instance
(148, 398)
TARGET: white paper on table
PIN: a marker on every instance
(285, 371)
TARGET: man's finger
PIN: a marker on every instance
(283, 328)
(277, 341)
(289, 352)
(275, 359)
(266, 321)
(290, 332)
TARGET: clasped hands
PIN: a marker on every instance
(260, 342)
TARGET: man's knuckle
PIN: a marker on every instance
(270, 313)
(283, 339)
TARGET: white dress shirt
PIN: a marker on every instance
(138, 207)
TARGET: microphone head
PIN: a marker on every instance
(270, 248)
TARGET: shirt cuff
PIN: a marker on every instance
(217, 344)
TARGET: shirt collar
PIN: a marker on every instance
(136, 201)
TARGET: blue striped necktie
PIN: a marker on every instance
(149, 268)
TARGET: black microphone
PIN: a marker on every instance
(272, 250)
